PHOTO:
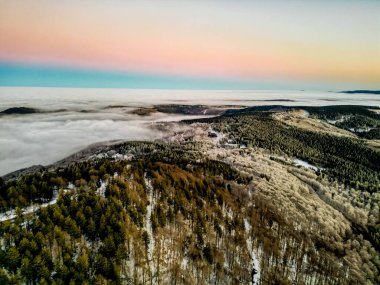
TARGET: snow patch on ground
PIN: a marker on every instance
(299, 162)
(340, 120)
(11, 214)
(255, 261)
(102, 188)
(361, 130)
(148, 221)
(112, 155)
(256, 265)
(184, 263)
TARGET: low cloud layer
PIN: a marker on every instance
(43, 138)
(26, 142)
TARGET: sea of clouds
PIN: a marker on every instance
(71, 119)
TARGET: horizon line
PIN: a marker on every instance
(15, 74)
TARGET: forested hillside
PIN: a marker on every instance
(230, 208)
(363, 121)
(345, 159)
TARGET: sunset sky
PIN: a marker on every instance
(191, 44)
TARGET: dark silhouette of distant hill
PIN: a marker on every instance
(361, 92)
(19, 110)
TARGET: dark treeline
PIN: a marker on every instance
(325, 112)
(336, 112)
(360, 120)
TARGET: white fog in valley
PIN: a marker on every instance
(67, 120)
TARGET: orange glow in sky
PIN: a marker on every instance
(318, 40)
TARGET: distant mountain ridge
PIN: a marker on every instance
(19, 110)
(27, 110)
(377, 92)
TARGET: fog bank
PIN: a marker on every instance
(70, 119)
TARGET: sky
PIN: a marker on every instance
(222, 44)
